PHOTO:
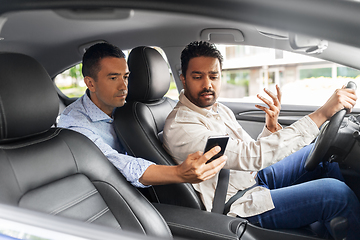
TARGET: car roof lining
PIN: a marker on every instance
(32, 32)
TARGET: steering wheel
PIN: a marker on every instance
(326, 137)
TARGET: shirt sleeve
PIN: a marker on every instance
(130, 167)
(266, 132)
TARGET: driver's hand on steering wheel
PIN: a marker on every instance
(273, 110)
(341, 98)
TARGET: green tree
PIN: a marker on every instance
(76, 74)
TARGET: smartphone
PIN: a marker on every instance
(213, 141)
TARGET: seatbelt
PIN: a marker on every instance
(219, 205)
(221, 191)
(238, 195)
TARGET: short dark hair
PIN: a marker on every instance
(94, 54)
(199, 49)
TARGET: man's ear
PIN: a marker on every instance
(89, 82)
(182, 78)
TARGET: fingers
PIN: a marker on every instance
(347, 95)
(342, 98)
(279, 94)
(209, 154)
(265, 100)
(203, 158)
(352, 94)
(276, 99)
(212, 168)
(266, 110)
(273, 96)
(194, 169)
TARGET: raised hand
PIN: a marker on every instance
(273, 109)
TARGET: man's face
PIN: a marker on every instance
(110, 89)
(202, 82)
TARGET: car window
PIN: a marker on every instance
(71, 81)
(304, 80)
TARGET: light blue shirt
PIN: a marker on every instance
(86, 118)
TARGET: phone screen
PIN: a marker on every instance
(216, 141)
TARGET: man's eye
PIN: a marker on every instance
(196, 77)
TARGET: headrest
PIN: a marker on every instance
(28, 100)
(149, 75)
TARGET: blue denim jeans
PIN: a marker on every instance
(302, 198)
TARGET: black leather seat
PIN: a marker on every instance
(140, 122)
(59, 171)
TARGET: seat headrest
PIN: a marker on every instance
(149, 78)
(28, 100)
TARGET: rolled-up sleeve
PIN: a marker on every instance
(131, 168)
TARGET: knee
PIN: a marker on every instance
(337, 191)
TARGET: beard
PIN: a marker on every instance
(202, 99)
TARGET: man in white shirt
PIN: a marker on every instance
(287, 196)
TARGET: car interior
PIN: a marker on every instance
(60, 172)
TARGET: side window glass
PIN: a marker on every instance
(71, 81)
(304, 80)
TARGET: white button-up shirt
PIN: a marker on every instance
(188, 127)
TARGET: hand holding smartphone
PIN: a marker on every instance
(213, 141)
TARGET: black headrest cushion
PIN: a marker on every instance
(28, 100)
(149, 75)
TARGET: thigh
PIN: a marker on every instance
(302, 204)
(291, 171)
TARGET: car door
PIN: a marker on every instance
(253, 120)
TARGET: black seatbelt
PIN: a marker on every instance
(221, 191)
(238, 195)
(219, 205)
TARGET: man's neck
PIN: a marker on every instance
(93, 98)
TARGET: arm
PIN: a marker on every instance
(130, 167)
(141, 173)
(186, 131)
(193, 170)
(342, 98)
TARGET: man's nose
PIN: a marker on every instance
(122, 83)
(207, 82)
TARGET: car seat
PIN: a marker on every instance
(59, 171)
(140, 122)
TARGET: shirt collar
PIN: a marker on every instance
(184, 100)
(94, 113)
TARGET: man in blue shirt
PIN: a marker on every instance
(106, 75)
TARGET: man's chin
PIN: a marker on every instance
(206, 104)
(120, 103)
